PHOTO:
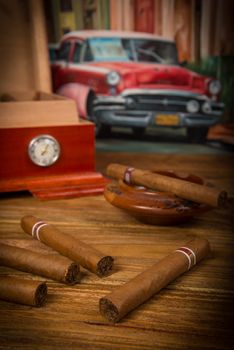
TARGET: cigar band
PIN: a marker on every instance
(190, 255)
(193, 254)
(36, 228)
(127, 175)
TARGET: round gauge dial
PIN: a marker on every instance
(44, 150)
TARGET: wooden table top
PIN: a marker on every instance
(193, 312)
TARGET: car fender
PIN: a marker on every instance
(81, 94)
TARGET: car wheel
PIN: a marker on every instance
(138, 131)
(197, 135)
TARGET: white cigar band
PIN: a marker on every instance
(190, 255)
(127, 175)
(36, 228)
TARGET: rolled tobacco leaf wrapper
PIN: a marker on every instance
(23, 291)
(135, 292)
(184, 189)
(76, 250)
(55, 267)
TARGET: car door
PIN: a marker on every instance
(77, 73)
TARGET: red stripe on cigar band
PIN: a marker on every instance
(36, 228)
(190, 255)
(127, 175)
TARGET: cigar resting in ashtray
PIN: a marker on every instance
(56, 267)
(76, 250)
(135, 292)
(184, 189)
(23, 291)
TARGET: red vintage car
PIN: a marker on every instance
(134, 80)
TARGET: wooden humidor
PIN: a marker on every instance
(29, 109)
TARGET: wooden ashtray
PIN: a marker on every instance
(154, 207)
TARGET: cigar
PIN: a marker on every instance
(135, 292)
(76, 250)
(55, 267)
(184, 189)
(22, 291)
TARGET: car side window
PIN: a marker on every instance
(64, 50)
(127, 45)
(77, 52)
(88, 55)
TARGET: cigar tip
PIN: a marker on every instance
(206, 245)
(112, 164)
(113, 167)
(104, 266)
(108, 310)
(200, 246)
(26, 218)
(40, 294)
(72, 274)
(110, 167)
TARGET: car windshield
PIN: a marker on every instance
(137, 50)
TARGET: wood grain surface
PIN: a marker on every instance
(193, 312)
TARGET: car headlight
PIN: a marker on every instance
(206, 107)
(214, 87)
(193, 106)
(113, 78)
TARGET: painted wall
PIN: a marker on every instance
(201, 28)
(81, 14)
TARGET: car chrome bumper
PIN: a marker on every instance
(154, 108)
(145, 119)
